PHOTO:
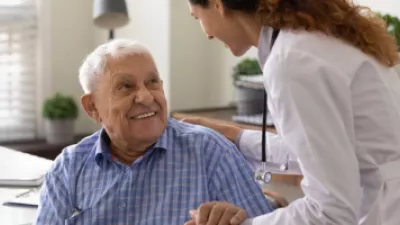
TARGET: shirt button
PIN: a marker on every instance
(123, 205)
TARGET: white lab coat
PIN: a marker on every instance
(337, 113)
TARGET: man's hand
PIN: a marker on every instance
(229, 131)
(217, 213)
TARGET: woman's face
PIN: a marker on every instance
(218, 23)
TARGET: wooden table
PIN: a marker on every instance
(224, 115)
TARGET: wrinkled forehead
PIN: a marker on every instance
(138, 65)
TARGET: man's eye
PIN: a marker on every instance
(153, 81)
(124, 86)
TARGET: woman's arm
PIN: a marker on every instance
(278, 153)
(249, 144)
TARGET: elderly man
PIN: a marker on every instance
(141, 167)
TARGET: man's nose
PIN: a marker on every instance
(143, 96)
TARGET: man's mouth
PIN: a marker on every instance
(144, 115)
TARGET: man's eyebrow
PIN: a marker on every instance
(153, 74)
(118, 76)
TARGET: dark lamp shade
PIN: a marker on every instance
(110, 14)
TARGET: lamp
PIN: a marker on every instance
(110, 14)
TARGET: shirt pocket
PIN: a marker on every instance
(95, 207)
(83, 217)
(94, 215)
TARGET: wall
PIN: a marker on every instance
(386, 6)
(68, 36)
(190, 71)
(200, 69)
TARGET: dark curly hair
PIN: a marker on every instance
(354, 24)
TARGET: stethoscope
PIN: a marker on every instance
(263, 175)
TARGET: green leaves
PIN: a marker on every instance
(393, 26)
(60, 107)
(247, 66)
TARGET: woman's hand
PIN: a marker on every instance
(280, 201)
(229, 131)
(217, 213)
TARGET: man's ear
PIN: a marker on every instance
(88, 104)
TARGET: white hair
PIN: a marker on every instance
(95, 63)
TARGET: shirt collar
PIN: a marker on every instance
(103, 153)
(264, 45)
(165, 141)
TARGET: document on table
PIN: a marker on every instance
(8, 193)
(15, 215)
(21, 169)
(28, 198)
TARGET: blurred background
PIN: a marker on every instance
(43, 42)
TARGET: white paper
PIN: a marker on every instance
(8, 193)
(28, 198)
(21, 169)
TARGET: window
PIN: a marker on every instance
(18, 64)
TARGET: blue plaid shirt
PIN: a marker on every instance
(187, 166)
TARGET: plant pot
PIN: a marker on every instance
(59, 131)
(249, 101)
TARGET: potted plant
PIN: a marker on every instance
(59, 112)
(249, 95)
(393, 26)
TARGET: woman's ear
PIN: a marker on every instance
(89, 106)
(219, 6)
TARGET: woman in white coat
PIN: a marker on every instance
(335, 101)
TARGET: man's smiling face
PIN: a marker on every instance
(130, 99)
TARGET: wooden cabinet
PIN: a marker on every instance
(41, 148)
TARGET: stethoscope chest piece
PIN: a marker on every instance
(263, 177)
